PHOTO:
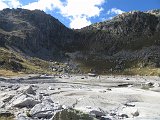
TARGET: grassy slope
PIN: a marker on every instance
(12, 63)
(131, 68)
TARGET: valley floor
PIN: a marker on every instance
(103, 97)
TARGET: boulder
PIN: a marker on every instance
(124, 85)
(156, 85)
(135, 114)
(29, 90)
(123, 116)
(96, 113)
(10, 86)
(23, 116)
(44, 93)
(7, 98)
(15, 87)
(92, 75)
(105, 118)
(129, 105)
(2, 105)
(45, 110)
(51, 88)
(24, 100)
(149, 84)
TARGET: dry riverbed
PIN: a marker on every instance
(102, 97)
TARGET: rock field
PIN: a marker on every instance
(100, 97)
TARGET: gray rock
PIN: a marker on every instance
(124, 85)
(135, 114)
(15, 87)
(149, 84)
(129, 104)
(123, 116)
(10, 86)
(2, 105)
(51, 88)
(156, 85)
(109, 89)
(44, 94)
(24, 101)
(45, 109)
(96, 113)
(4, 113)
(7, 98)
(23, 116)
(29, 90)
(105, 118)
(92, 75)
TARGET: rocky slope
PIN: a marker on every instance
(129, 40)
(30, 39)
(33, 32)
(129, 43)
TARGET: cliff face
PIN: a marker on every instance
(132, 31)
(33, 32)
(130, 40)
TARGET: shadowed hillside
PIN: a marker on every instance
(127, 44)
(128, 41)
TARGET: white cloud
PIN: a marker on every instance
(44, 5)
(3, 5)
(77, 11)
(87, 8)
(110, 18)
(80, 11)
(79, 22)
(13, 3)
(9, 4)
(115, 11)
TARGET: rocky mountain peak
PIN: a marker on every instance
(155, 12)
(33, 32)
(131, 37)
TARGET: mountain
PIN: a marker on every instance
(130, 42)
(33, 32)
(29, 40)
(127, 44)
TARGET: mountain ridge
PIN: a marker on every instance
(129, 41)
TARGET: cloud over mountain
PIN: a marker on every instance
(9, 4)
(78, 12)
(115, 11)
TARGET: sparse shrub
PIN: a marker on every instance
(28, 114)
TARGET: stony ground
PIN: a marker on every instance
(100, 97)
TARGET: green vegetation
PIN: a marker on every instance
(12, 63)
(6, 116)
(134, 67)
(28, 114)
(72, 114)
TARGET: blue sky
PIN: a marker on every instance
(80, 13)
